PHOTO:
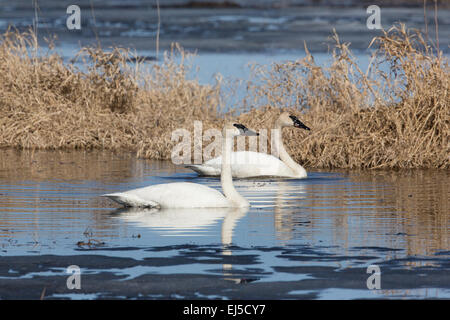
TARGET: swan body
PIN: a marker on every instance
(191, 195)
(246, 164)
(172, 195)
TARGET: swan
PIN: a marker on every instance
(191, 195)
(246, 164)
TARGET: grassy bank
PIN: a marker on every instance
(399, 118)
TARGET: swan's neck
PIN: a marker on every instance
(284, 155)
(226, 178)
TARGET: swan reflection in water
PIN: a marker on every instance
(283, 199)
(172, 222)
(283, 196)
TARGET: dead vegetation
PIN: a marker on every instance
(394, 115)
(98, 101)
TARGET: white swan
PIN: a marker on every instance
(191, 195)
(246, 164)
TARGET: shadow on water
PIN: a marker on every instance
(311, 234)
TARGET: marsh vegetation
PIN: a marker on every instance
(384, 117)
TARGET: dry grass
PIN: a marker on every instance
(105, 102)
(398, 118)
(395, 115)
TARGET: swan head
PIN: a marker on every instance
(289, 120)
(232, 129)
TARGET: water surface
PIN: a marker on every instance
(296, 231)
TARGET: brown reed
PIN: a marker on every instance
(397, 118)
(99, 100)
(394, 115)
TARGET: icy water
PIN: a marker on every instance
(246, 26)
(310, 238)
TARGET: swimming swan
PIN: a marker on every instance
(245, 164)
(191, 195)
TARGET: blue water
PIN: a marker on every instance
(50, 201)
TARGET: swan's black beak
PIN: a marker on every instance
(244, 131)
(298, 123)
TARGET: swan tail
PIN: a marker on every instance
(203, 170)
(128, 200)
